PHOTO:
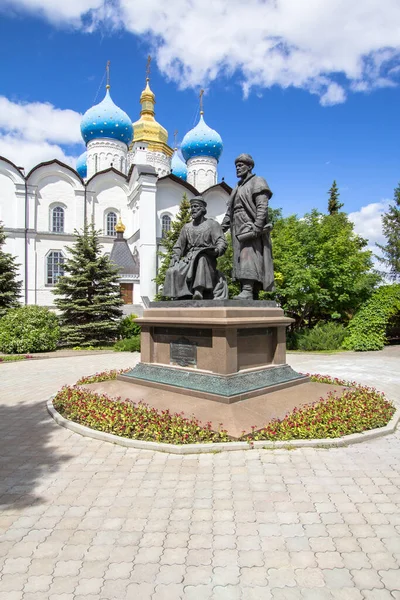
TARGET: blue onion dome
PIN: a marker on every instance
(202, 141)
(106, 120)
(81, 165)
(178, 167)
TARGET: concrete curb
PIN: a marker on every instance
(347, 440)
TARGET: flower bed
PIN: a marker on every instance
(136, 421)
(357, 409)
(14, 357)
(103, 376)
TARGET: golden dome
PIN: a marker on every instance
(146, 129)
(120, 227)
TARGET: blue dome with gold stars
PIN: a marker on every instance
(81, 165)
(178, 167)
(202, 141)
(106, 120)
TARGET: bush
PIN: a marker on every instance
(367, 330)
(328, 336)
(29, 329)
(135, 421)
(128, 345)
(128, 327)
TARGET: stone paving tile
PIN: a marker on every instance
(86, 520)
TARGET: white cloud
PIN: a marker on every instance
(368, 221)
(56, 11)
(266, 42)
(34, 132)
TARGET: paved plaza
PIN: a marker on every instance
(86, 520)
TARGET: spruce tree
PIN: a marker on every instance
(169, 240)
(10, 286)
(88, 295)
(391, 231)
(334, 205)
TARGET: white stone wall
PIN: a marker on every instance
(141, 155)
(141, 202)
(169, 197)
(217, 199)
(108, 192)
(104, 153)
(202, 172)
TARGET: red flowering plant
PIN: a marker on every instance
(135, 421)
(357, 409)
(103, 376)
(15, 357)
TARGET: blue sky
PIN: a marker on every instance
(312, 93)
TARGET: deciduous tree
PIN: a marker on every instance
(391, 231)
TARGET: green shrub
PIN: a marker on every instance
(128, 328)
(367, 330)
(131, 344)
(29, 329)
(328, 336)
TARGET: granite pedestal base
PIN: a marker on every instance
(218, 350)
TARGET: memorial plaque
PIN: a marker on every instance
(183, 352)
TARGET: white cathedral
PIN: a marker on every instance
(128, 175)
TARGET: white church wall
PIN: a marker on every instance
(12, 196)
(168, 198)
(147, 186)
(44, 245)
(108, 192)
(216, 203)
(12, 215)
(52, 192)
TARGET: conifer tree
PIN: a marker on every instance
(88, 295)
(391, 231)
(334, 205)
(169, 240)
(10, 286)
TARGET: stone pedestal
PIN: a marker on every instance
(219, 350)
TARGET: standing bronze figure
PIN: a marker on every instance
(247, 218)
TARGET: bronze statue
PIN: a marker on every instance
(247, 218)
(193, 268)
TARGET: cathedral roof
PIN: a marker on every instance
(178, 166)
(147, 129)
(202, 141)
(106, 120)
(81, 165)
(121, 256)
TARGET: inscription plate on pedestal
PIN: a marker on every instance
(183, 352)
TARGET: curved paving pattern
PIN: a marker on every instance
(86, 520)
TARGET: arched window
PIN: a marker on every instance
(55, 266)
(111, 223)
(165, 225)
(57, 219)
